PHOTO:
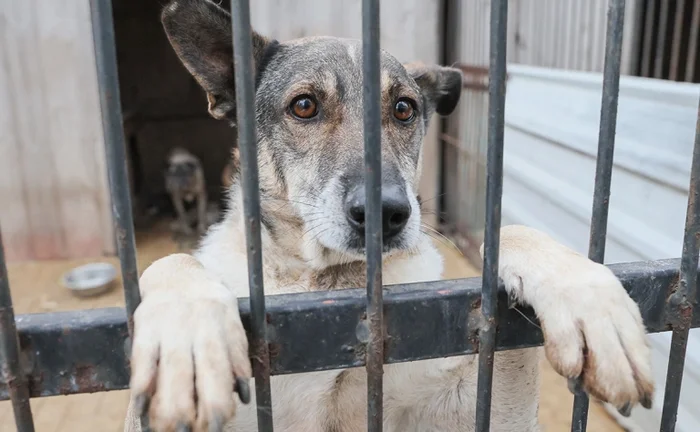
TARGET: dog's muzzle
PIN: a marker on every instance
(396, 210)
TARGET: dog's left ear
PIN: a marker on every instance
(441, 86)
(201, 35)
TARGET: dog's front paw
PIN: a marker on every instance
(190, 351)
(593, 330)
(595, 337)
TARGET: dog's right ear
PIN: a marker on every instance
(201, 35)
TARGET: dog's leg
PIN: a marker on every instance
(593, 330)
(182, 219)
(190, 351)
(202, 211)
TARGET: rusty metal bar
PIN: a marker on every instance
(374, 324)
(112, 126)
(683, 300)
(494, 191)
(82, 351)
(11, 371)
(693, 43)
(676, 45)
(115, 150)
(604, 163)
(245, 101)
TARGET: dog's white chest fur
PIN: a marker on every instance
(335, 401)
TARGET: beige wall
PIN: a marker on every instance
(53, 192)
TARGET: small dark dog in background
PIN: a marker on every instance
(184, 181)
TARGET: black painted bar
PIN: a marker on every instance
(111, 109)
(373, 228)
(247, 143)
(604, 164)
(83, 351)
(683, 300)
(494, 191)
(10, 366)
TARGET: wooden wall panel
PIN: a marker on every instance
(53, 177)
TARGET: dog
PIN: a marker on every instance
(184, 181)
(190, 349)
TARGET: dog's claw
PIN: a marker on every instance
(626, 410)
(646, 401)
(243, 389)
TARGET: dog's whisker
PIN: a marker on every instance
(311, 229)
(433, 198)
(289, 201)
(525, 316)
(440, 237)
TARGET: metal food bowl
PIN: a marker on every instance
(90, 279)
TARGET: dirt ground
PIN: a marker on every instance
(35, 288)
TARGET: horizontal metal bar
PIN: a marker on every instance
(83, 351)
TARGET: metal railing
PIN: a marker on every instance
(87, 351)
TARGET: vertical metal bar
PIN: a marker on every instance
(683, 299)
(693, 42)
(247, 143)
(604, 163)
(10, 368)
(648, 38)
(494, 191)
(373, 228)
(115, 150)
(111, 109)
(677, 33)
(661, 39)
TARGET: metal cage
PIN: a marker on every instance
(87, 351)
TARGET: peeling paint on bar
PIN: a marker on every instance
(604, 163)
(317, 331)
(245, 101)
(494, 192)
(682, 301)
(13, 382)
(374, 322)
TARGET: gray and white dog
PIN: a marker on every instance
(185, 183)
(190, 350)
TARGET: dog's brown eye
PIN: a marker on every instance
(403, 110)
(304, 107)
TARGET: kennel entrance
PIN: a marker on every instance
(87, 351)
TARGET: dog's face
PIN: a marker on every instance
(181, 171)
(309, 113)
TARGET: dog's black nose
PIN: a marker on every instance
(396, 209)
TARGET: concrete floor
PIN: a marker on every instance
(35, 288)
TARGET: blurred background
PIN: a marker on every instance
(55, 212)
